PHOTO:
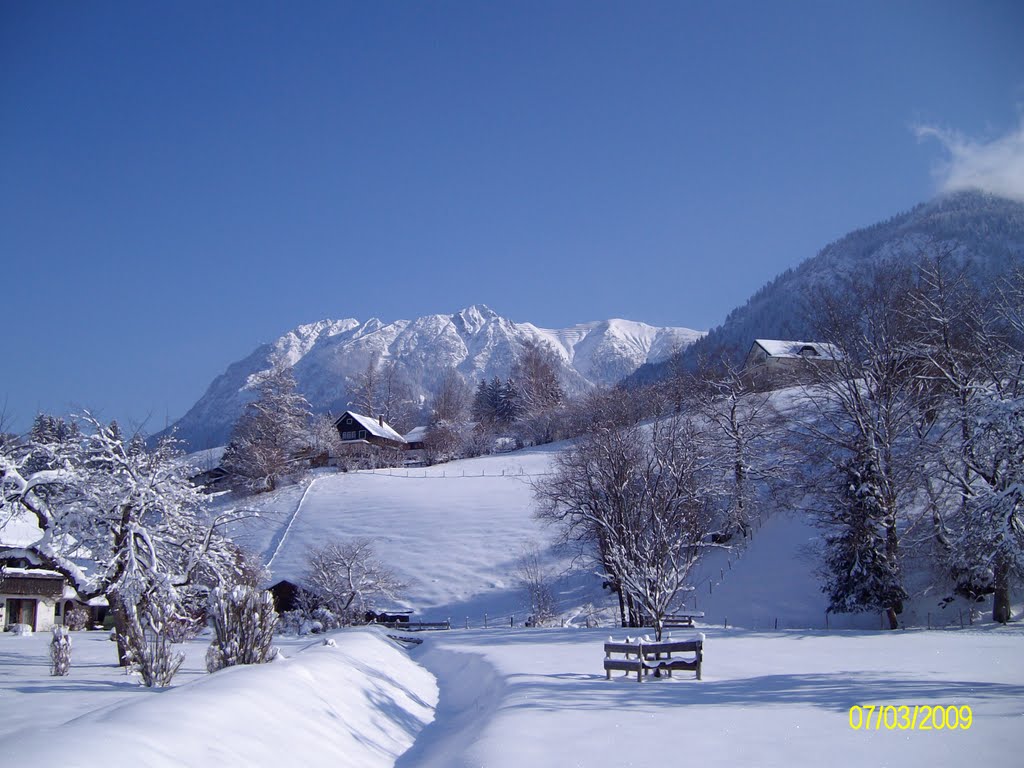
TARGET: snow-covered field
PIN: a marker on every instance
(539, 697)
(503, 696)
(451, 532)
(529, 697)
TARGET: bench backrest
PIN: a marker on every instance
(670, 646)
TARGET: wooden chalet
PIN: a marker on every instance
(355, 428)
(775, 363)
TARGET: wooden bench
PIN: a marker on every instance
(641, 657)
(414, 626)
(681, 620)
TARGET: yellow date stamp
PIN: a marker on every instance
(912, 717)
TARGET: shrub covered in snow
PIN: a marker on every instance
(60, 652)
(76, 618)
(147, 641)
(243, 620)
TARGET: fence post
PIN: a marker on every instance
(485, 621)
(467, 622)
(512, 621)
(776, 622)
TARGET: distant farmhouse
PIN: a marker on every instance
(774, 363)
(354, 428)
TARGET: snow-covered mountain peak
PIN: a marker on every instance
(327, 356)
(473, 318)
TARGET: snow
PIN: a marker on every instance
(512, 697)
(358, 702)
(479, 343)
(452, 532)
(793, 349)
(416, 434)
(539, 697)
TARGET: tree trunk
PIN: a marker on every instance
(892, 550)
(120, 628)
(1001, 596)
(891, 614)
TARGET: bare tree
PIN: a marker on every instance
(536, 578)
(367, 386)
(451, 400)
(348, 578)
(269, 434)
(323, 435)
(743, 438)
(133, 513)
(535, 370)
(641, 501)
(867, 404)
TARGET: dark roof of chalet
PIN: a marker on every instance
(32, 582)
(378, 428)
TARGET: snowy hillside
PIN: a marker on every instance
(479, 343)
(452, 533)
(983, 234)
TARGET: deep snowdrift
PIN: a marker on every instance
(359, 703)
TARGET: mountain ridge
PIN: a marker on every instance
(327, 354)
(982, 233)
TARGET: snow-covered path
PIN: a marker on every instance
(286, 529)
(540, 698)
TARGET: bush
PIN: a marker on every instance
(243, 621)
(147, 642)
(60, 652)
(76, 618)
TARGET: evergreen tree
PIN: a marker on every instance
(487, 402)
(863, 574)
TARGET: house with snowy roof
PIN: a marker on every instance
(355, 429)
(773, 363)
(30, 596)
(30, 593)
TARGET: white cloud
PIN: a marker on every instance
(995, 166)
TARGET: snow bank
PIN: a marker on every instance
(360, 702)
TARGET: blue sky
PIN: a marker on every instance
(182, 181)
